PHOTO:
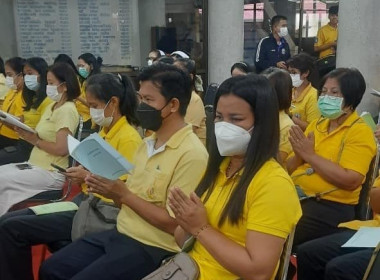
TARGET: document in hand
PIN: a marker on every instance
(99, 157)
(14, 121)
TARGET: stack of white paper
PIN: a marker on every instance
(365, 237)
(14, 121)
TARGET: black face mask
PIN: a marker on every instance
(149, 117)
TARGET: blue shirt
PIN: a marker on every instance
(268, 52)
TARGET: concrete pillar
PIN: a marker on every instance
(225, 37)
(8, 46)
(357, 46)
(151, 13)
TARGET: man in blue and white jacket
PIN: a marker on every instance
(273, 50)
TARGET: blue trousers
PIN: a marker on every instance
(105, 255)
(324, 258)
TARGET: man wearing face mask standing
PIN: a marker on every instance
(172, 157)
(273, 50)
(326, 43)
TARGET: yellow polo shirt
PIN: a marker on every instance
(196, 116)
(66, 116)
(358, 150)
(33, 116)
(326, 34)
(14, 105)
(285, 125)
(305, 106)
(125, 139)
(181, 163)
(271, 206)
(83, 110)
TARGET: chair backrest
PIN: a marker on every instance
(210, 95)
(362, 208)
(209, 109)
(373, 269)
(285, 257)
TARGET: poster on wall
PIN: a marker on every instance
(108, 29)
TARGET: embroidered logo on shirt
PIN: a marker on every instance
(283, 51)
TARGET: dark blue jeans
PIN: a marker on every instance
(19, 230)
(324, 258)
(105, 255)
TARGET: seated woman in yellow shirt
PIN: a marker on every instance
(304, 107)
(332, 157)
(34, 102)
(246, 205)
(88, 65)
(282, 85)
(323, 258)
(21, 181)
(195, 114)
(13, 102)
(113, 104)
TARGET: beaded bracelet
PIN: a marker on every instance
(200, 230)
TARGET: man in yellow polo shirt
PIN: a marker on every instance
(172, 156)
(326, 41)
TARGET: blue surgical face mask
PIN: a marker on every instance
(31, 82)
(330, 106)
(83, 72)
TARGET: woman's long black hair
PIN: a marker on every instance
(33, 99)
(258, 93)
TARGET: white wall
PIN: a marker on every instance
(8, 46)
(151, 13)
(358, 45)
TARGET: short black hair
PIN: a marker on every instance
(276, 19)
(282, 85)
(303, 62)
(104, 86)
(16, 63)
(166, 60)
(33, 99)
(334, 10)
(65, 74)
(91, 60)
(2, 69)
(171, 81)
(352, 85)
(188, 65)
(242, 66)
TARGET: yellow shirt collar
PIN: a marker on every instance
(303, 93)
(176, 138)
(323, 123)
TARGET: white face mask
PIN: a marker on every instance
(283, 32)
(232, 140)
(97, 115)
(31, 82)
(9, 82)
(296, 80)
(52, 92)
(150, 62)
